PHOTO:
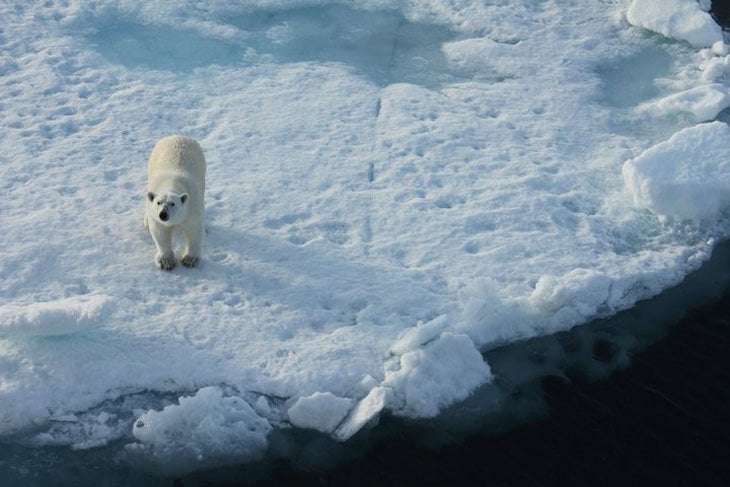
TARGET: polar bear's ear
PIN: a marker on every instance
(150, 196)
(183, 197)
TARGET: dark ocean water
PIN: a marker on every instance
(663, 421)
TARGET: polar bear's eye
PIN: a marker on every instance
(172, 204)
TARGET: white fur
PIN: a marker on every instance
(175, 198)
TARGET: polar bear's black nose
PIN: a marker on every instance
(163, 215)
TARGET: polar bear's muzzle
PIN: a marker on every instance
(164, 215)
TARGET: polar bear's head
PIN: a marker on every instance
(169, 209)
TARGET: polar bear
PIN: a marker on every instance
(175, 192)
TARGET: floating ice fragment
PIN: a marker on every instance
(713, 69)
(262, 406)
(366, 411)
(683, 20)
(321, 411)
(720, 48)
(367, 383)
(702, 103)
(433, 377)
(90, 430)
(580, 292)
(685, 177)
(201, 431)
(414, 337)
(57, 317)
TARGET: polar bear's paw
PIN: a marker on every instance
(166, 263)
(190, 260)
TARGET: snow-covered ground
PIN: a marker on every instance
(393, 189)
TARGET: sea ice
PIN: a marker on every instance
(433, 376)
(82, 433)
(686, 176)
(366, 411)
(394, 188)
(59, 317)
(714, 68)
(321, 411)
(702, 103)
(203, 430)
(678, 19)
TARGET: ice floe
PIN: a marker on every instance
(394, 188)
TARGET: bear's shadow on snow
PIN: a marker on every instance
(307, 277)
(381, 45)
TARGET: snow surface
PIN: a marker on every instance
(59, 317)
(443, 179)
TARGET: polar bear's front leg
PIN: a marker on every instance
(194, 237)
(162, 235)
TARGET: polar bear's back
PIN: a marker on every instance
(178, 154)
